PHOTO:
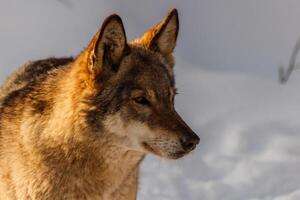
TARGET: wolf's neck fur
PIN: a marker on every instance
(69, 148)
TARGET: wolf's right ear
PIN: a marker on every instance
(105, 51)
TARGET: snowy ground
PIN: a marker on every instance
(250, 135)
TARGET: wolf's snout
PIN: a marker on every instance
(189, 141)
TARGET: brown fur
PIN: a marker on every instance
(79, 128)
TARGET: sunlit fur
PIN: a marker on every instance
(72, 128)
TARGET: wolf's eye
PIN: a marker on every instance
(142, 100)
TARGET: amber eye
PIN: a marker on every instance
(142, 101)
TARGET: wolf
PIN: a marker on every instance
(78, 128)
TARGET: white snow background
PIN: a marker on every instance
(249, 149)
(227, 57)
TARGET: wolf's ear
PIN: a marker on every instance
(163, 36)
(108, 46)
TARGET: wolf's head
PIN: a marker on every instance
(132, 89)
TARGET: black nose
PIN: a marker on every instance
(189, 141)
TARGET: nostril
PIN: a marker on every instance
(189, 143)
(190, 146)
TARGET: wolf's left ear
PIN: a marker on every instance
(163, 36)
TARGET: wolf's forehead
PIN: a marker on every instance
(150, 68)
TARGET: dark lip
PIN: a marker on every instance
(175, 155)
(178, 154)
(149, 148)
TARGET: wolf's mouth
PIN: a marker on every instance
(177, 155)
(170, 155)
(149, 148)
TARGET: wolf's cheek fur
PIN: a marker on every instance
(138, 136)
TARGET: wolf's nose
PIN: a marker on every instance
(189, 141)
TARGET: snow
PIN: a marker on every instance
(249, 147)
